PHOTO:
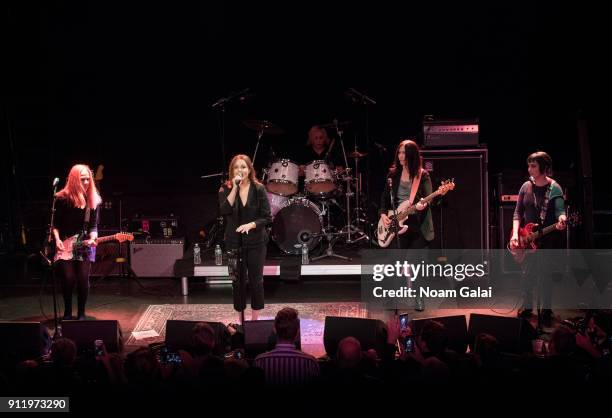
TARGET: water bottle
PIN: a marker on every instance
(218, 255)
(305, 259)
(197, 259)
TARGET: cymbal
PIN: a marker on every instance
(334, 124)
(357, 154)
(264, 126)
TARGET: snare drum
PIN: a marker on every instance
(283, 177)
(320, 178)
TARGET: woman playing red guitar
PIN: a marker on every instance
(540, 202)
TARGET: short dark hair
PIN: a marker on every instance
(287, 324)
(203, 338)
(63, 352)
(543, 160)
(435, 336)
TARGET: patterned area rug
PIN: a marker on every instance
(312, 319)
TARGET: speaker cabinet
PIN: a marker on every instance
(178, 335)
(513, 334)
(461, 217)
(22, 341)
(259, 337)
(84, 333)
(371, 333)
(155, 258)
(456, 330)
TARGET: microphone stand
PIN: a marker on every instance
(45, 253)
(240, 258)
(394, 209)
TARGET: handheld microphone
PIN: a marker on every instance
(531, 179)
(55, 181)
(237, 181)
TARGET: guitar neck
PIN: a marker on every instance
(412, 208)
(543, 232)
(106, 238)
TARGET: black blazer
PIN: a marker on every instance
(257, 210)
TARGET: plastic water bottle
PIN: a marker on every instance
(197, 259)
(305, 259)
(218, 255)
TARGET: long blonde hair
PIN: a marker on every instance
(311, 133)
(73, 191)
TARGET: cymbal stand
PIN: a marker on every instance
(329, 236)
(350, 228)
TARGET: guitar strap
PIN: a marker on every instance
(544, 205)
(86, 221)
(415, 187)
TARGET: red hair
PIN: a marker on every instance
(73, 190)
(247, 160)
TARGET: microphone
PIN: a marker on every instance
(237, 181)
(390, 181)
(531, 179)
(380, 146)
(55, 181)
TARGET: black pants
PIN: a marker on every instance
(539, 273)
(69, 274)
(252, 268)
(410, 241)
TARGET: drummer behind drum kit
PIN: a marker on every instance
(303, 218)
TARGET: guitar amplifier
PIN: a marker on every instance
(155, 227)
(156, 257)
(450, 134)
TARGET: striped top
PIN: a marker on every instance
(286, 365)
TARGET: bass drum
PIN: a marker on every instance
(295, 224)
(277, 202)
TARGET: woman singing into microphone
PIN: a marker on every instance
(244, 203)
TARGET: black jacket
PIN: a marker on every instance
(257, 210)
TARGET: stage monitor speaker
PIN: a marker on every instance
(84, 333)
(178, 335)
(456, 330)
(513, 334)
(259, 337)
(22, 340)
(461, 217)
(371, 333)
(155, 258)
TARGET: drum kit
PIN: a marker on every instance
(302, 214)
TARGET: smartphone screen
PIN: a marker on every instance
(403, 318)
(409, 344)
(169, 357)
(98, 348)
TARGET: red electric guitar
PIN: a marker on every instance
(529, 235)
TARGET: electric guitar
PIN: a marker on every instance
(386, 234)
(529, 235)
(74, 245)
